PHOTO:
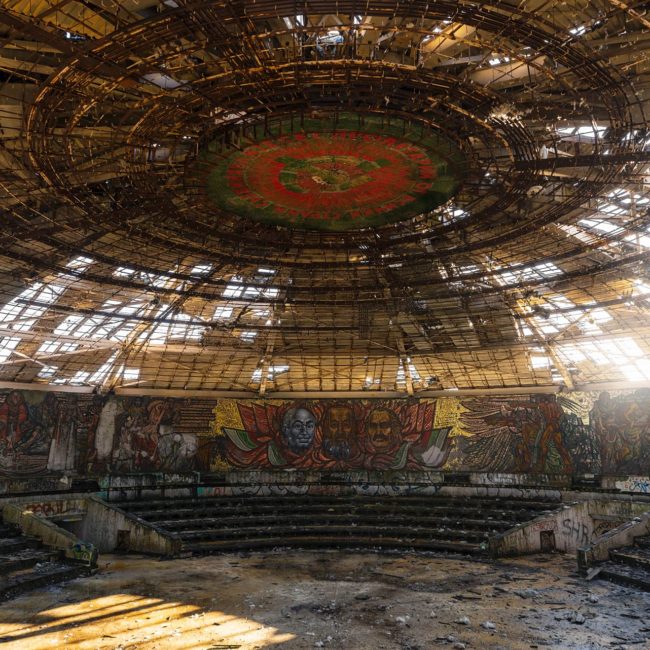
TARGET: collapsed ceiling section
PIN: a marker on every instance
(338, 196)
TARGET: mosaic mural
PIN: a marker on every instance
(46, 432)
(63, 433)
(326, 175)
(368, 434)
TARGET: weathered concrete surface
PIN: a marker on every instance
(93, 521)
(103, 523)
(624, 535)
(575, 526)
(50, 534)
(337, 600)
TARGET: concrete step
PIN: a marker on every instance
(628, 576)
(261, 509)
(338, 532)
(14, 544)
(632, 556)
(40, 575)
(491, 525)
(422, 522)
(7, 530)
(364, 501)
(24, 560)
(375, 543)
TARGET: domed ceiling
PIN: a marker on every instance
(326, 174)
(270, 197)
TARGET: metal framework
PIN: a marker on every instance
(117, 272)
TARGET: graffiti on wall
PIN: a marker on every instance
(359, 434)
(63, 433)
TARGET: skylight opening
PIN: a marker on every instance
(586, 132)
(50, 347)
(272, 372)
(24, 315)
(234, 288)
(80, 377)
(600, 226)
(247, 335)
(183, 328)
(539, 362)
(578, 31)
(130, 374)
(100, 375)
(622, 355)
(519, 274)
(237, 289)
(80, 263)
(7, 345)
(123, 272)
(640, 240)
(68, 325)
(47, 372)
(400, 378)
(499, 60)
(452, 214)
(222, 313)
(201, 269)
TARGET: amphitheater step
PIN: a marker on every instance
(632, 556)
(334, 542)
(626, 575)
(317, 501)
(40, 575)
(26, 564)
(340, 532)
(173, 525)
(19, 543)
(24, 559)
(422, 522)
(7, 530)
(261, 506)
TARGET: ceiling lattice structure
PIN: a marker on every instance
(119, 270)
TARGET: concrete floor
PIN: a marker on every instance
(338, 600)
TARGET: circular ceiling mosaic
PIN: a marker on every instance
(319, 178)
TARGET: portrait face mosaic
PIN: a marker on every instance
(332, 180)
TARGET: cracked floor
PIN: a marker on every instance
(333, 599)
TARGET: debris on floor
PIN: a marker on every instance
(292, 600)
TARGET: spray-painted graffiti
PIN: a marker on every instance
(386, 435)
(48, 508)
(576, 531)
(84, 552)
(634, 484)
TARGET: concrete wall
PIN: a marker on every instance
(575, 526)
(110, 529)
(623, 535)
(63, 522)
(50, 534)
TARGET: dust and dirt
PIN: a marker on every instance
(331, 599)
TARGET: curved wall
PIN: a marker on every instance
(54, 436)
